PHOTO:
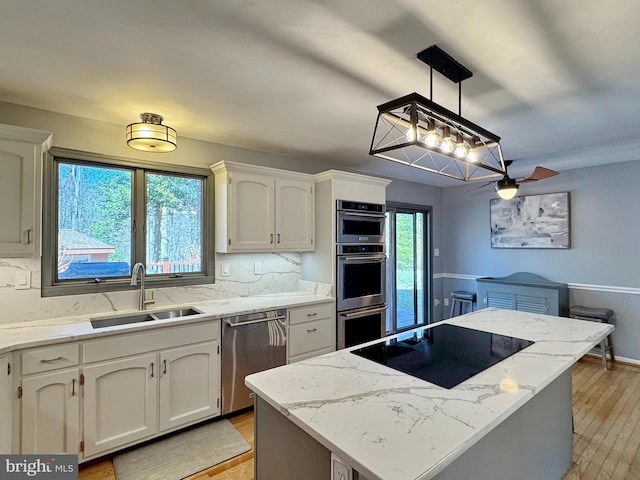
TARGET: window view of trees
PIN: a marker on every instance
(97, 214)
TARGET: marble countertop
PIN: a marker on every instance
(392, 426)
(20, 335)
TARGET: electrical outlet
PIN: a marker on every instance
(257, 268)
(436, 252)
(340, 470)
(446, 302)
(436, 302)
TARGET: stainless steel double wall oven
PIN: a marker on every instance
(361, 272)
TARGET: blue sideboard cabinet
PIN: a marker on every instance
(524, 291)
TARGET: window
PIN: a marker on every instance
(103, 216)
(408, 268)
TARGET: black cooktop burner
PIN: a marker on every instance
(445, 355)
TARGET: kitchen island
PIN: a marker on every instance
(511, 421)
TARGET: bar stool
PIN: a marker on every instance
(460, 299)
(602, 315)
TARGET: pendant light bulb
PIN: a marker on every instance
(447, 145)
(461, 151)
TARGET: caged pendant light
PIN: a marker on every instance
(415, 131)
(150, 135)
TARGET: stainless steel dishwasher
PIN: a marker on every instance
(250, 343)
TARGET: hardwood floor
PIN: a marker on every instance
(606, 441)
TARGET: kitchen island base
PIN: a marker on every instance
(534, 443)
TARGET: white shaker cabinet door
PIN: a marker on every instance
(19, 199)
(120, 402)
(5, 406)
(251, 212)
(51, 412)
(189, 384)
(295, 215)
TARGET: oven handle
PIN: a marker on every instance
(364, 258)
(356, 213)
(362, 313)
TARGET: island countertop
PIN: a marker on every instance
(391, 426)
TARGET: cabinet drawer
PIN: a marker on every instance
(50, 358)
(123, 345)
(310, 336)
(314, 312)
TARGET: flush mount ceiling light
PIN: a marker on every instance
(416, 131)
(150, 135)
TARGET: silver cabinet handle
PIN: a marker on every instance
(51, 360)
(26, 236)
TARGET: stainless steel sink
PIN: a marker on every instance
(179, 312)
(138, 317)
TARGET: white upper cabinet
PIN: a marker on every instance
(21, 151)
(262, 209)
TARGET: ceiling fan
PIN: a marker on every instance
(507, 187)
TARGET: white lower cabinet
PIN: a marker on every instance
(311, 331)
(138, 386)
(51, 412)
(120, 401)
(6, 439)
(189, 384)
(49, 399)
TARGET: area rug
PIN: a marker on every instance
(182, 454)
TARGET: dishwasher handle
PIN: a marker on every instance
(232, 323)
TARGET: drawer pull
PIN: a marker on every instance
(311, 330)
(312, 314)
(51, 360)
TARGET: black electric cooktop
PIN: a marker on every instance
(446, 355)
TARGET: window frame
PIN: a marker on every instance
(51, 288)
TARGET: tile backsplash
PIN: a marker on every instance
(277, 273)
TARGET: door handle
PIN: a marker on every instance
(151, 369)
(164, 366)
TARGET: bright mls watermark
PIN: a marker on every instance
(50, 467)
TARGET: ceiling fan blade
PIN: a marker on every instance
(540, 173)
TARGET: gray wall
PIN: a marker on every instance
(425, 196)
(602, 267)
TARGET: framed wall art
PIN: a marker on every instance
(533, 221)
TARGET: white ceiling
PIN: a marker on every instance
(557, 80)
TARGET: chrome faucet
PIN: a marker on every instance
(138, 271)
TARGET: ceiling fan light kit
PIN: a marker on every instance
(506, 188)
(150, 135)
(415, 131)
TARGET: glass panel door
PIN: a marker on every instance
(408, 268)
